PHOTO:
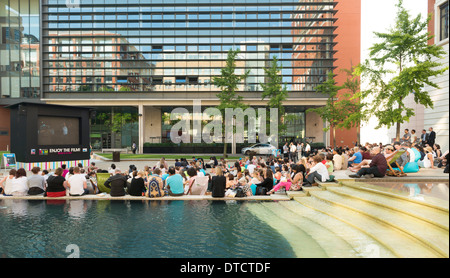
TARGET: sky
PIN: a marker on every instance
(379, 16)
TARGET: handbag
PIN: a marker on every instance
(261, 190)
(295, 187)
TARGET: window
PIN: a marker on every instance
(443, 22)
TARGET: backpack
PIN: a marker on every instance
(155, 188)
(240, 192)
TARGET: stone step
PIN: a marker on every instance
(425, 213)
(303, 245)
(334, 246)
(336, 238)
(398, 242)
(429, 234)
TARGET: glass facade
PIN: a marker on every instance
(19, 49)
(147, 46)
(114, 127)
(294, 121)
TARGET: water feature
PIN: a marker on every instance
(163, 229)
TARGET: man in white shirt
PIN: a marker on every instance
(251, 168)
(318, 172)
(307, 149)
(293, 153)
(285, 151)
(77, 183)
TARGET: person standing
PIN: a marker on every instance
(424, 138)
(293, 152)
(307, 149)
(134, 147)
(285, 150)
(414, 138)
(431, 137)
(299, 151)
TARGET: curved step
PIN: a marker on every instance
(359, 241)
(333, 245)
(432, 215)
(399, 243)
(428, 200)
(429, 234)
(302, 243)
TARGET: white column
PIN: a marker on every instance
(141, 128)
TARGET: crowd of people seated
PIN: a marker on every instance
(221, 178)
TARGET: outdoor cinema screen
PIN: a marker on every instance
(58, 131)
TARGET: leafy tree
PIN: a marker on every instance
(400, 64)
(275, 91)
(228, 83)
(342, 109)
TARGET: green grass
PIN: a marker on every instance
(166, 156)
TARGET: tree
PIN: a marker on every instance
(399, 65)
(275, 91)
(342, 109)
(228, 83)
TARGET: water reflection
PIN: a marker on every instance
(418, 190)
(118, 228)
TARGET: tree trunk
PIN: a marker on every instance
(334, 137)
(397, 132)
(224, 150)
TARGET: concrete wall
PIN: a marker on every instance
(152, 123)
(438, 116)
(314, 127)
(348, 54)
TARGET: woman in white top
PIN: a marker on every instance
(20, 183)
(318, 171)
(428, 159)
(337, 159)
(6, 182)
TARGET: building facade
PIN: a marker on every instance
(438, 116)
(137, 60)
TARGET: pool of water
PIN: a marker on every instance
(124, 229)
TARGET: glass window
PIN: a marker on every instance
(444, 21)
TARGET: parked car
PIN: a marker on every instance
(266, 149)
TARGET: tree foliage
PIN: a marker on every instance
(342, 109)
(401, 64)
(228, 83)
(275, 91)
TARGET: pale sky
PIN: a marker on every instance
(379, 16)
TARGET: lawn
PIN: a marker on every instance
(166, 156)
